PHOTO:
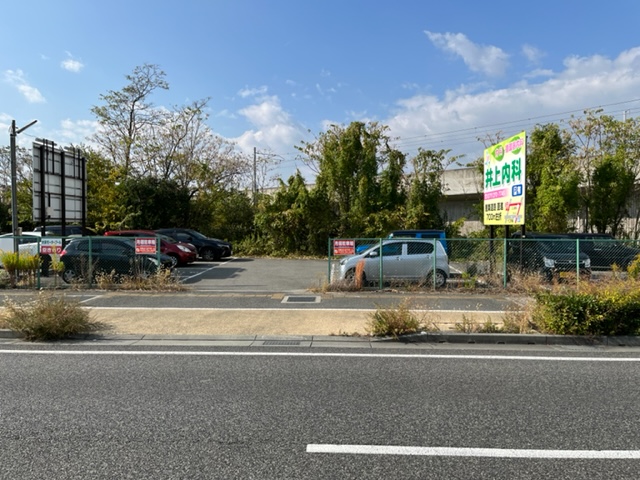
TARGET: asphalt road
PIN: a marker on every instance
(86, 412)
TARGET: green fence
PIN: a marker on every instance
(38, 261)
(477, 262)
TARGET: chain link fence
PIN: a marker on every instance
(54, 261)
(478, 263)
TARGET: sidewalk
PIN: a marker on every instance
(170, 321)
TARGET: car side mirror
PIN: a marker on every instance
(372, 254)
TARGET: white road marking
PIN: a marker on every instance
(474, 452)
(312, 354)
(205, 270)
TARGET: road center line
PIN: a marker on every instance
(473, 452)
(256, 353)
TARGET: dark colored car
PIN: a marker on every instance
(553, 256)
(87, 256)
(208, 248)
(605, 251)
(182, 253)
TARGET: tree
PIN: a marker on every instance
(24, 187)
(552, 185)
(608, 157)
(347, 160)
(152, 203)
(426, 191)
(127, 114)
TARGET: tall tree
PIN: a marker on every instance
(426, 191)
(347, 160)
(552, 195)
(126, 115)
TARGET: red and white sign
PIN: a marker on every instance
(344, 247)
(51, 246)
(146, 245)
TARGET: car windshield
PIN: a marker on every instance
(166, 238)
(193, 233)
(558, 245)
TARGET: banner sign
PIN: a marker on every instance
(505, 181)
(51, 246)
(344, 247)
(146, 245)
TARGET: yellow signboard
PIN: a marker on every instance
(505, 181)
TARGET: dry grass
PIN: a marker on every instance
(48, 317)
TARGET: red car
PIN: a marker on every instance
(182, 253)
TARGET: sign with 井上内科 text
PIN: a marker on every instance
(505, 181)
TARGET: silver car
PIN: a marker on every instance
(403, 259)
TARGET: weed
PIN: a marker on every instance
(394, 321)
(48, 317)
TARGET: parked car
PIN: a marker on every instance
(554, 256)
(69, 230)
(439, 234)
(405, 259)
(208, 248)
(605, 251)
(84, 255)
(182, 253)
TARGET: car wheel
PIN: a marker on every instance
(174, 261)
(208, 255)
(69, 275)
(440, 281)
(350, 276)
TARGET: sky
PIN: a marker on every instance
(439, 74)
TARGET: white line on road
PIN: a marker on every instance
(187, 353)
(473, 452)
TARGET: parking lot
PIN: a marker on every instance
(255, 275)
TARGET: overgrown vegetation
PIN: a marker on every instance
(160, 281)
(48, 317)
(611, 308)
(20, 268)
(396, 321)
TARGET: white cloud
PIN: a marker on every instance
(72, 65)
(456, 119)
(273, 127)
(16, 79)
(487, 59)
(533, 54)
(253, 92)
(76, 132)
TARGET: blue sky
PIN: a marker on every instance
(439, 74)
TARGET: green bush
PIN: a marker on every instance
(610, 309)
(48, 317)
(393, 322)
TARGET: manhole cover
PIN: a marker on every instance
(281, 343)
(301, 299)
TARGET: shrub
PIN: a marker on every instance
(611, 308)
(48, 317)
(394, 321)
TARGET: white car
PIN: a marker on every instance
(403, 259)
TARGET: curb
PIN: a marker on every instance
(434, 338)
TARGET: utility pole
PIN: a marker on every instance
(14, 179)
(255, 180)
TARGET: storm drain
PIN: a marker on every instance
(281, 343)
(301, 299)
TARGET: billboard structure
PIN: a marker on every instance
(59, 184)
(505, 181)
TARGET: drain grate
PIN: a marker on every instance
(301, 299)
(281, 343)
